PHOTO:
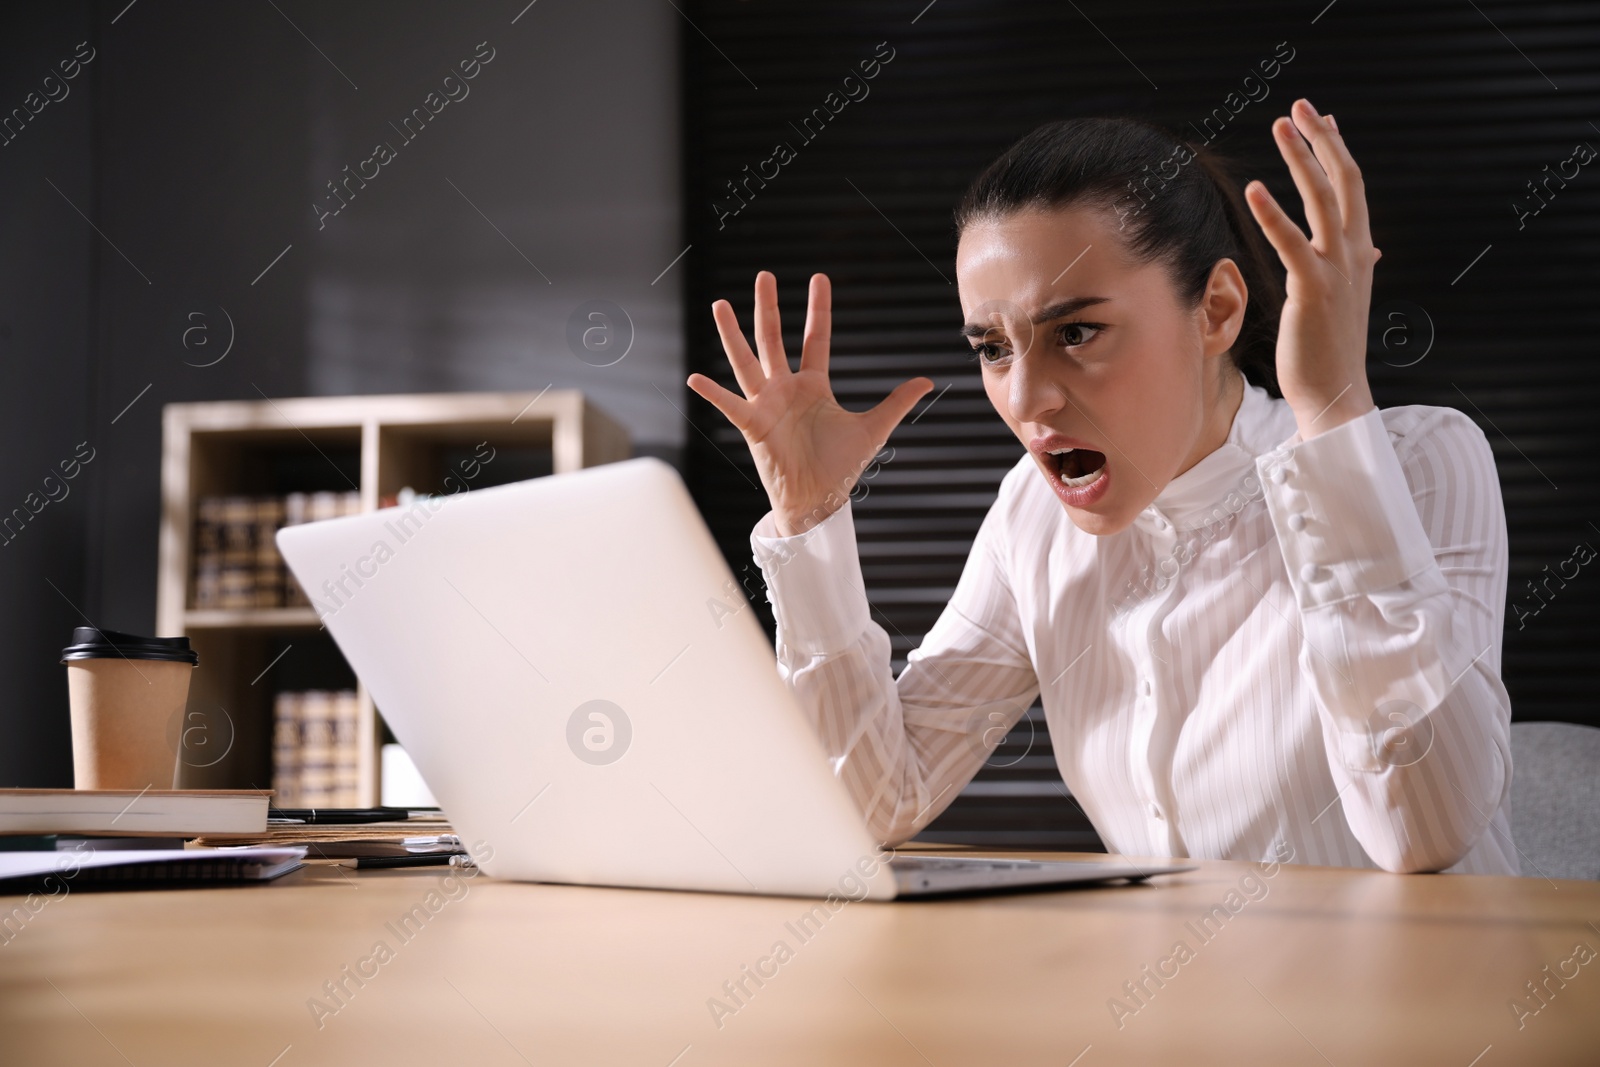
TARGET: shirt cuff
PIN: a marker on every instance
(814, 583)
(1345, 519)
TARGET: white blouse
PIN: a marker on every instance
(1297, 642)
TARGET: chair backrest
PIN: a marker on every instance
(1555, 798)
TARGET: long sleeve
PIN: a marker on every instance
(1396, 553)
(904, 746)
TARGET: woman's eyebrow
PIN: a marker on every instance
(1060, 309)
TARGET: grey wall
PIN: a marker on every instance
(210, 136)
(47, 260)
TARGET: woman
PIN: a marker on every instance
(1263, 615)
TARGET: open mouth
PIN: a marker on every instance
(1075, 466)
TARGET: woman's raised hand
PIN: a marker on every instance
(808, 450)
(1322, 333)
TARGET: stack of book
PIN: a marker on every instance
(236, 560)
(316, 749)
(54, 841)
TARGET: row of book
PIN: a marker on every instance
(316, 749)
(236, 559)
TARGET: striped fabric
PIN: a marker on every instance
(1297, 642)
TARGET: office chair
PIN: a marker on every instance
(1555, 798)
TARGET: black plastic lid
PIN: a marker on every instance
(91, 642)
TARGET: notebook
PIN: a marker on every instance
(52, 872)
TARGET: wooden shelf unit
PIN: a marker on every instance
(385, 443)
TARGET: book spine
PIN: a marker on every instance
(286, 750)
(295, 509)
(347, 749)
(208, 553)
(317, 751)
(238, 571)
(268, 563)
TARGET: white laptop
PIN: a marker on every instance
(584, 687)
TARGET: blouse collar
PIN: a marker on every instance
(1221, 483)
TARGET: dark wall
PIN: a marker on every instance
(46, 265)
(548, 179)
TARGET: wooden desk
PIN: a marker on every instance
(1315, 966)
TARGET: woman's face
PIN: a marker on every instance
(1081, 348)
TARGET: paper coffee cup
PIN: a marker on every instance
(124, 690)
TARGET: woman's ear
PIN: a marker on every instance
(1222, 308)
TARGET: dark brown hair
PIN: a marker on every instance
(1186, 220)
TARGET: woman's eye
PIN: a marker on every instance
(1071, 333)
(992, 355)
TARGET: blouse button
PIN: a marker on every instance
(1145, 687)
(1155, 810)
(1310, 572)
(1280, 474)
(1297, 522)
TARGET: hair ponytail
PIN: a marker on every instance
(1179, 204)
(1255, 350)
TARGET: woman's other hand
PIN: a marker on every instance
(1322, 335)
(808, 450)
